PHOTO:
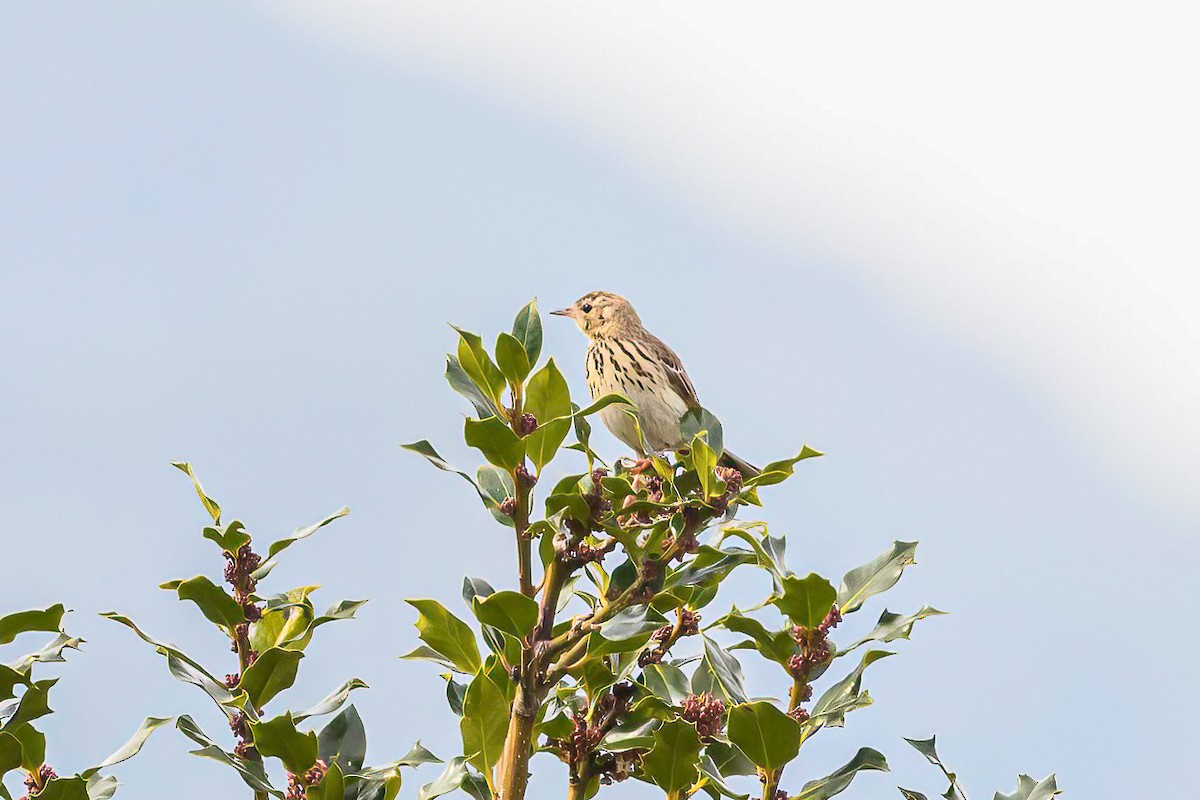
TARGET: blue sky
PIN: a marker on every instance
(234, 236)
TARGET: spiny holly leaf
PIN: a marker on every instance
(279, 738)
(846, 695)
(891, 627)
(768, 737)
(333, 701)
(806, 601)
(46, 620)
(447, 635)
(837, 781)
(1031, 789)
(302, 532)
(876, 576)
(344, 740)
(230, 538)
(777, 646)
(928, 748)
(214, 603)
(273, 671)
(780, 471)
(210, 505)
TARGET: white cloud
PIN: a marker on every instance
(1025, 175)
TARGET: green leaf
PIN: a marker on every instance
(876, 576)
(230, 538)
(837, 781)
(52, 652)
(768, 549)
(344, 740)
(460, 382)
(512, 358)
(131, 747)
(729, 760)
(667, 682)
(510, 612)
(30, 747)
(333, 701)
(780, 471)
(484, 722)
(1030, 789)
(495, 486)
(73, 788)
(451, 779)
(332, 786)
(701, 422)
(716, 786)
(548, 398)
(302, 532)
(891, 627)
(273, 671)
(214, 603)
(251, 772)
(210, 505)
(11, 752)
(777, 646)
(601, 403)
(628, 630)
(806, 601)
(671, 762)
(34, 704)
(46, 620)
(478, 365)
(279, 738)
(704, 461)
(767, 736)
(447, 635)
(928, 748)
(909, 794)
(719, 674)
(527, 329)
(489, 494)
(846, 695)
(495, 440)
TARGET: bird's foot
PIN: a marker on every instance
(641, 465)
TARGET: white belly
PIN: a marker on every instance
(657, 406)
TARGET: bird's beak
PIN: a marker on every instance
(565, 312)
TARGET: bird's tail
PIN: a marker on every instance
(747, 469)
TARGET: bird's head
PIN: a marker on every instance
(602, 315)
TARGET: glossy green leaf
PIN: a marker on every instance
(71, 788)
(45, 620)
(512, 358)
(495, 485)
(30, 744)
(601, 403)
(332, 786)
(51, 652)
(527, 329)
(479, 367)
(728, 759)
(344, 740)
(807, 600)
(702, 422)
(839, 780)
(876, 576)
(671, 762)
(667, 682)
(460, 382)
(548, 398)
(34, 704)
(928, 748)
(510, 612)
(715, 784)
(273, 671)
(132, 747)
(628, 630)
(780, 471)
(766, 735)
(495, 440)
(719, 674)
(768, 549)
(302, 532)
(332, 702)
(891, 627)
(217, 605)
(491, 494)
(846, 695)
(11, 752)
(231, 538)
(278, 738)
(704, 461)
(450, 780)
(210, 505)
(777, 646)
(447, 635)
(484, 723)
(251, 772)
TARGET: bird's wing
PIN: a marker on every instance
(673, 367)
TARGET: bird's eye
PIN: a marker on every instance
(586, 307)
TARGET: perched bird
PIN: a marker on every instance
(625, 358)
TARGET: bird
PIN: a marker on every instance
(625, 358)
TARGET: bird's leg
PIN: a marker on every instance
(642, 464)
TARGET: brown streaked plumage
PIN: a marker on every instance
(625, 358)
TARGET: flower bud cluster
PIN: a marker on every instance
(706, 712)
(653, 486)
(733, 485)
(585, 739)
(815, 648)
(239, 574)
(298, 784)
(35, 782)
(526, 424)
